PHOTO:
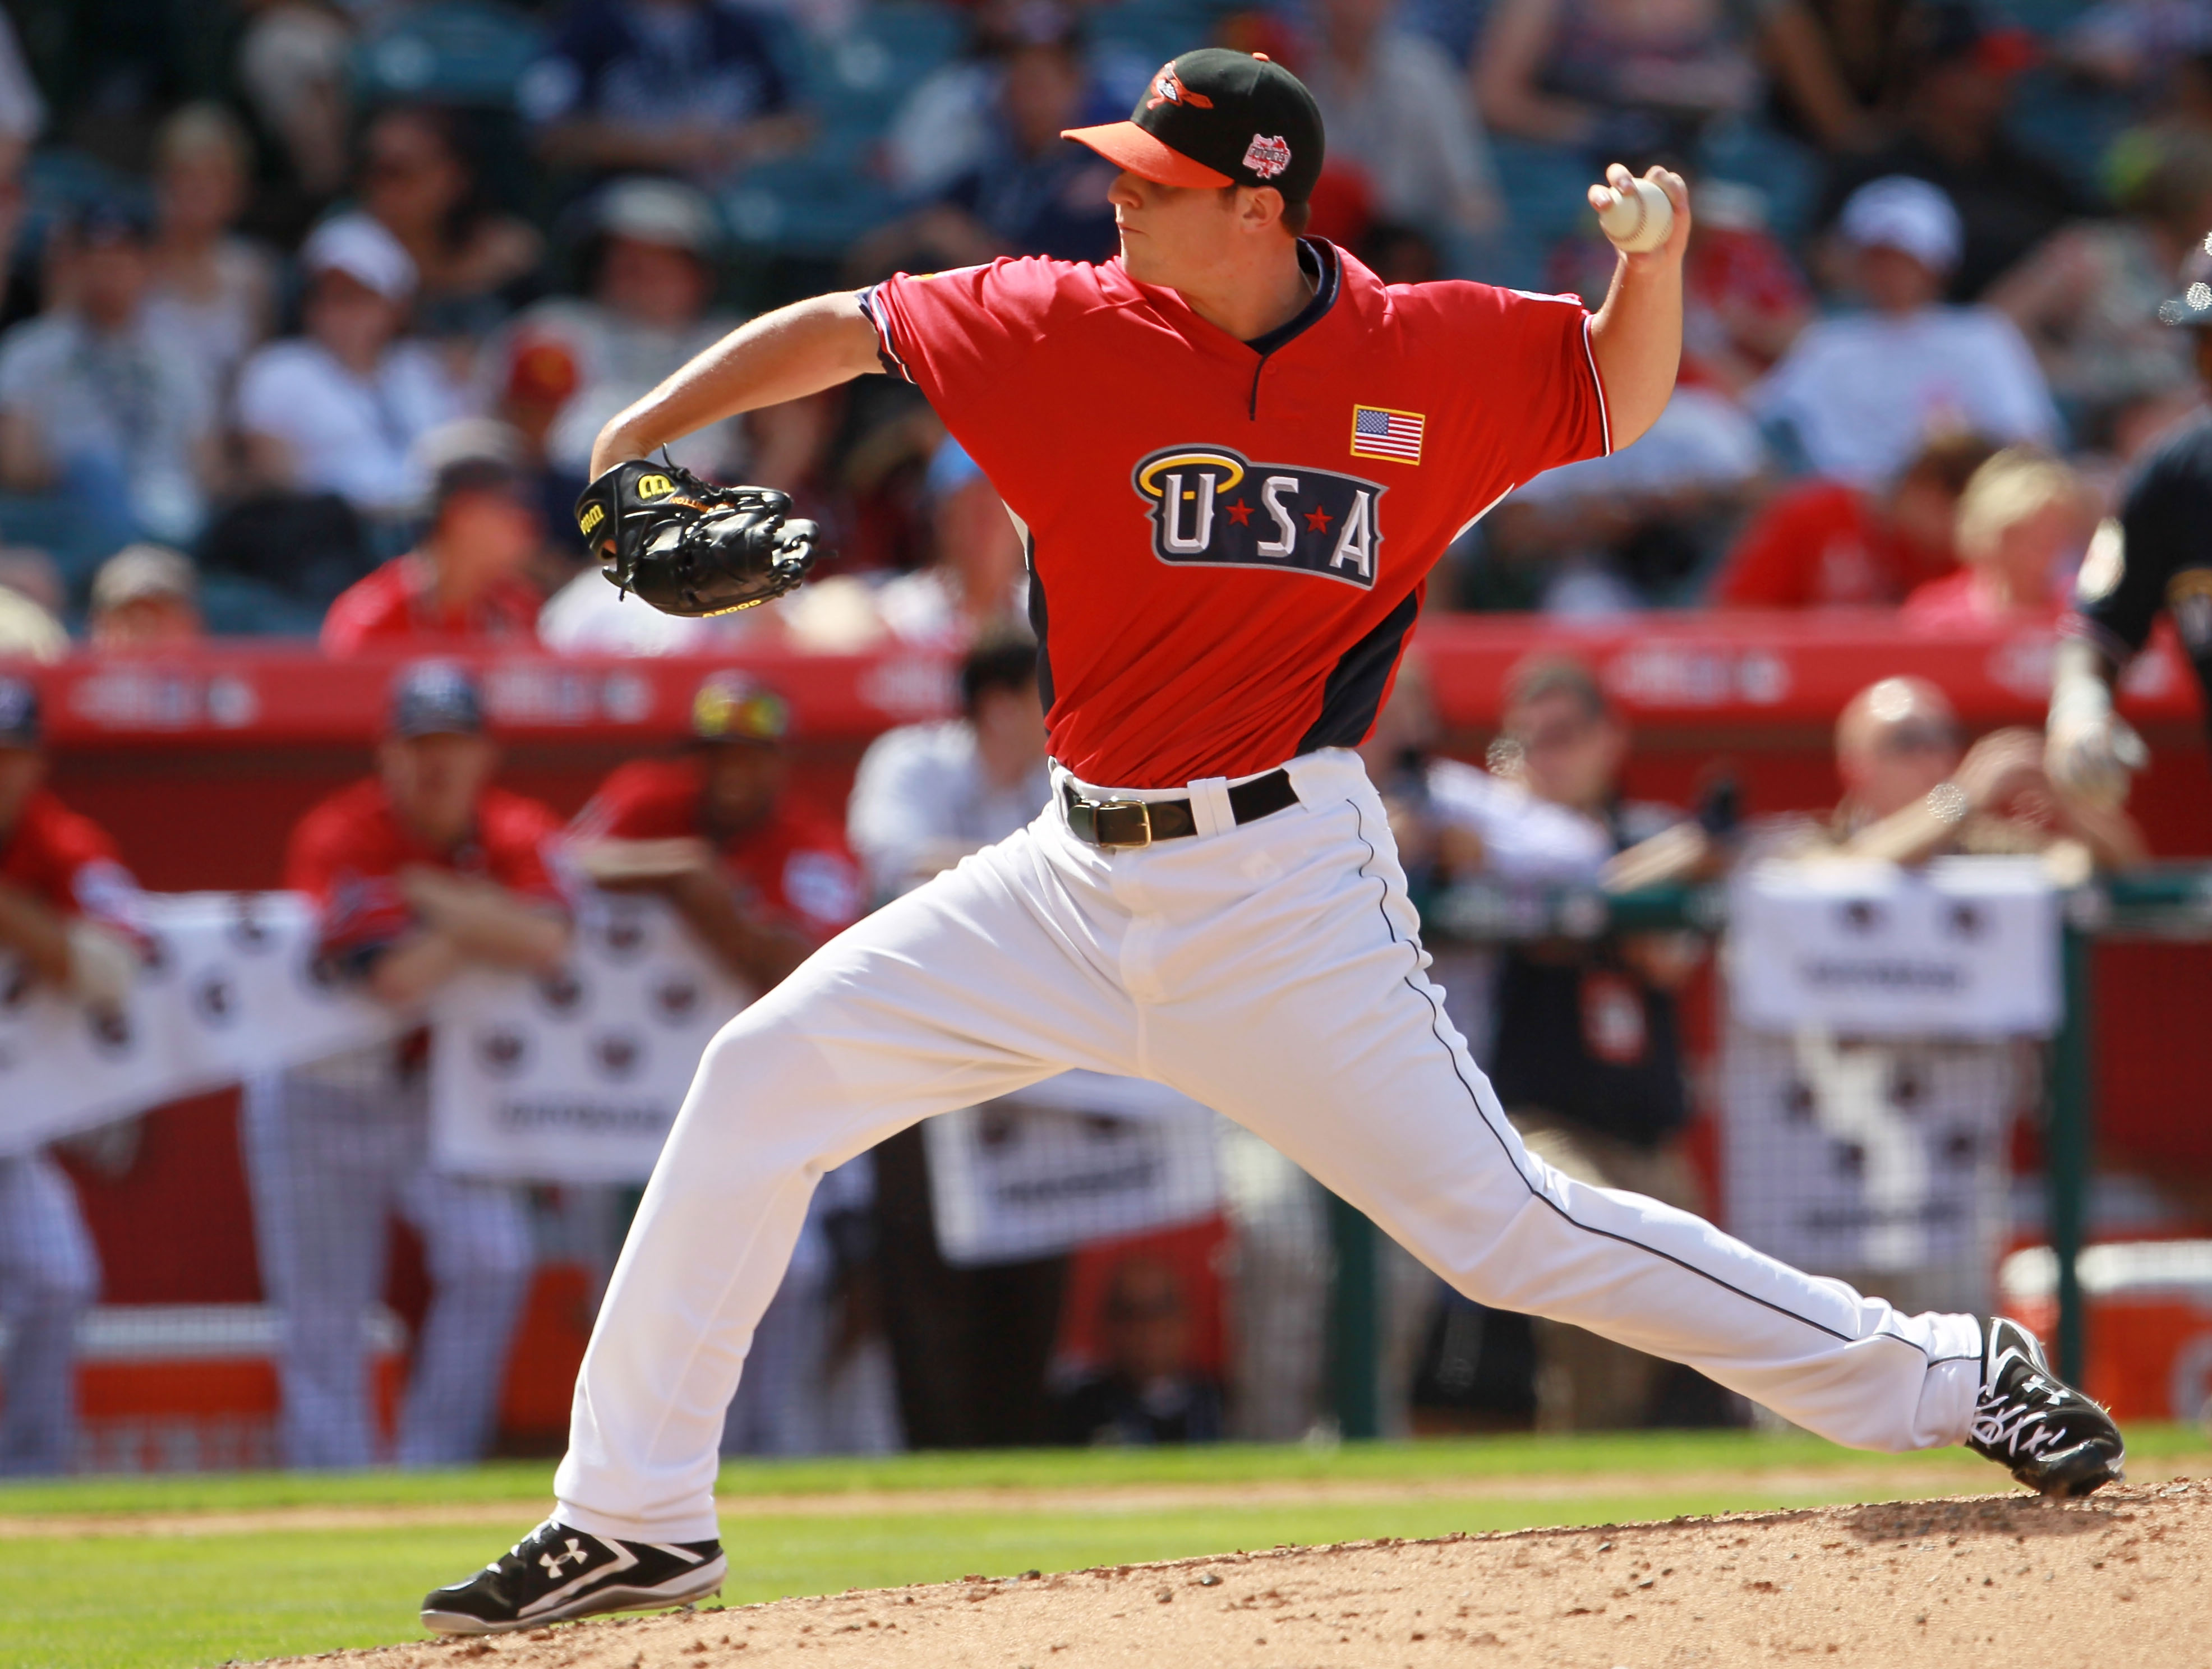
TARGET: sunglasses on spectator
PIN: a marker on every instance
(1916, 739)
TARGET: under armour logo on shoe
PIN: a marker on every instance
(553, 1561)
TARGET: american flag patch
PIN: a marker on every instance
(1378, 432)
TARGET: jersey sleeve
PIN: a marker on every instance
(965, 339)
(2165, 525)
(85, 871)
(1533, 361)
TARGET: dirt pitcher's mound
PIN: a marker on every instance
(2005, 1581)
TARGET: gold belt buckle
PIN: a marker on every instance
(1113, 823)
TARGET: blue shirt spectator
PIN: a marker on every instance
(94, 404)
(687, 85)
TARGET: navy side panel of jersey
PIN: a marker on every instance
(1353, 694)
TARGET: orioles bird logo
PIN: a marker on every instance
(1167, 88)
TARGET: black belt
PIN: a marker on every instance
(1135, 822)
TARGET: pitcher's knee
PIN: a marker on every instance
(762, 1091)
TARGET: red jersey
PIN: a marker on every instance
(347, 854)
(68, 862)
(1957, 602)
(397, 606)
(1822, 544)
(1229, 541)
(794, 863)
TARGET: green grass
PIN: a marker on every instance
(140, 1602)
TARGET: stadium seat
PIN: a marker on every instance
(813, 204)
(234, 605)
(451, 51)
(2069, 124)
(2046, 17)
(816, 203)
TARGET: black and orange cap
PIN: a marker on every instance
(1215, 117)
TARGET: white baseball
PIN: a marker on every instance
(1638, 219)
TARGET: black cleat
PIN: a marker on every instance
(554, 1573)
(2028, 1420)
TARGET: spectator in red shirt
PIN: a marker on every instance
(761, 879)
(66, 910)
(2023, 522)
(1827, 544)
(462, 581)
(422, 870)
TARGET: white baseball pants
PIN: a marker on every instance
(1273, 971)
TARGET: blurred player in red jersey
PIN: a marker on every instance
(417, 872)
(1822, 543)
(462, 581)
(761, 879)
(67, 919)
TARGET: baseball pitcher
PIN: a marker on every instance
(1234, 454)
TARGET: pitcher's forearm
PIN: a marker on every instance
(1636, 336)
(787, 354)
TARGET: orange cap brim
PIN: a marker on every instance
(1128, 146)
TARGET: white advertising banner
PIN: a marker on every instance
(1966, 947)
(1076, 1158)
(231, 987)
(577, 1076)
(1872, 1156)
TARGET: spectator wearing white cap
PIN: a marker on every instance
(1863, 393)
(339, 408)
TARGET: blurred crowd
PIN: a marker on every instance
(313, 307)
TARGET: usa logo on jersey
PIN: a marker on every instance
(1212, 508)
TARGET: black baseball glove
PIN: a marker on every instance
(689, 548)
